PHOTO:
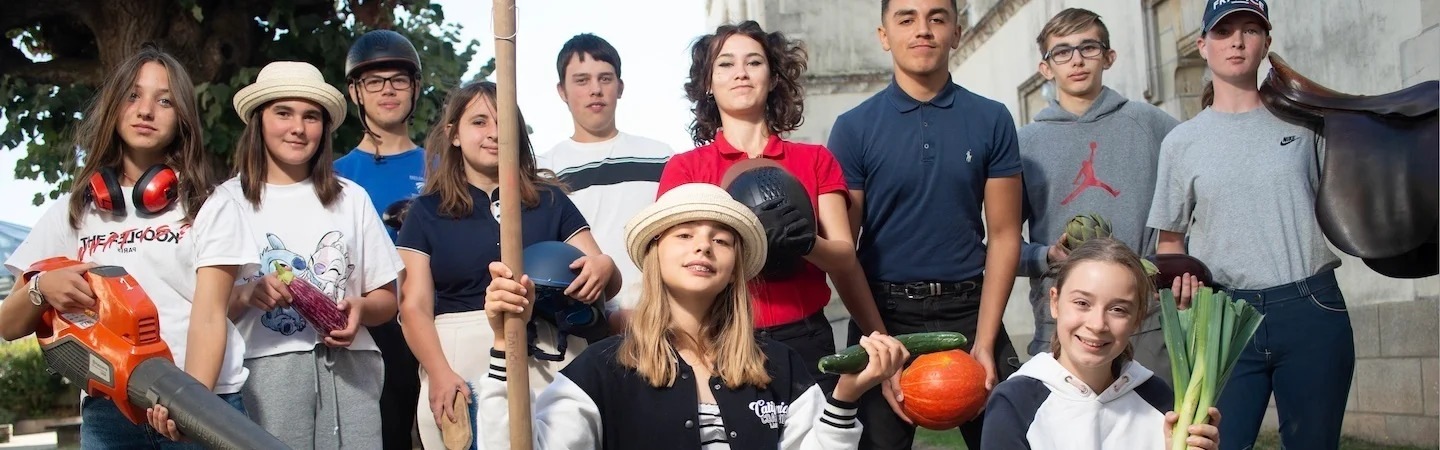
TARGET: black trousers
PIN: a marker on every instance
(958, 311)
(813, 339)
(399, 395)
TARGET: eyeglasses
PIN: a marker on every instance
(1063, 54)
(377, 84)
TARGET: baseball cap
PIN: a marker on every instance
(1218, 9)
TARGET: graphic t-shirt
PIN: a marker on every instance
(341, 250)
(162, 254)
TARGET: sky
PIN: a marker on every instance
(654, 66)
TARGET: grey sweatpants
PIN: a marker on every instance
(328, 398)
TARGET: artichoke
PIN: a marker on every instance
(1083, 228)
(1150, 268)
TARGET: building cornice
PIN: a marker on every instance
(972, 39)
(847, 83)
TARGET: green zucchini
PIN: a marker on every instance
(854, 359)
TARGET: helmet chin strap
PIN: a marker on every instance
(365, 119)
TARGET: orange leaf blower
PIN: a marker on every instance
(115, 351)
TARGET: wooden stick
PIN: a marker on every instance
(517, 365)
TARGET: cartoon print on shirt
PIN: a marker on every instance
(285, 321)
(330, 265)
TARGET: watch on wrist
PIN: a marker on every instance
(36, 297)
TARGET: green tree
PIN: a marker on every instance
(61, 49)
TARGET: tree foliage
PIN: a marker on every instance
(61, 49)
(27, 390)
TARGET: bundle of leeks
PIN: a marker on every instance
(1204, 342)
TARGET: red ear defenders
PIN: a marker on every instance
(152, 194)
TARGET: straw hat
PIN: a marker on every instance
(291, 79)
(692, 202)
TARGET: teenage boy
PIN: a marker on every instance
(921, 159)
(1090, 151)
(611, 175)
(382, 72)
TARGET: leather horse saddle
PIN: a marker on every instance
(1379, 195)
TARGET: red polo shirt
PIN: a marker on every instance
(776, 302)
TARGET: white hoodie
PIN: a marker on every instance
(1044, 407)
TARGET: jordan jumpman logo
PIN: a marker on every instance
(1086, 179)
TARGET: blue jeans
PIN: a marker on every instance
(1304, 352)
(103, 427)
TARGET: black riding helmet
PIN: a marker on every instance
(382, 49)
(759, 181)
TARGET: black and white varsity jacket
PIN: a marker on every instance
(597, 403)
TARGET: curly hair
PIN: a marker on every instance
(784, 105)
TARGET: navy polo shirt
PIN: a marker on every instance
(923, 167)
(462, 249)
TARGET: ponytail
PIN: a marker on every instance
(1207, 94)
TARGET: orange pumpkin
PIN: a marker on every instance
(943, 389)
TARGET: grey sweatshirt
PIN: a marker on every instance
(1102, 162)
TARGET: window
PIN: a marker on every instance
(1035, 94)
(1190, 76)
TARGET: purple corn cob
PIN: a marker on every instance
(313, 305)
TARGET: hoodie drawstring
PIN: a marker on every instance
(324, 354)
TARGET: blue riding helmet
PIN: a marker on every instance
(548, 265)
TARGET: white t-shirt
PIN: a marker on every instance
(343, 250)
(162, 253)
(610, 182)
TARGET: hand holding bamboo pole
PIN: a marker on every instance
(517, 366)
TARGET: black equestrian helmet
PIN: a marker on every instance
(755, 181)
(381, 48)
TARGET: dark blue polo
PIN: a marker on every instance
(461, 250)
(923, 167)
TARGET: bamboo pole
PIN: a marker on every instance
(517, 373)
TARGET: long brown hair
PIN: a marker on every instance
(728, 332)
(1109, 250)
(103, 147)
(250, 156)
(784, 105)
(445, 162)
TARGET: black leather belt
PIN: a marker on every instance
(922, 289)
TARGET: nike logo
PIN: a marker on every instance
(1288, 139)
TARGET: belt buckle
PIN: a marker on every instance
(924, 290)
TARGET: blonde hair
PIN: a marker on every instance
(1108, 250)
(727, 332)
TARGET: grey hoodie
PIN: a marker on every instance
(1102, 162)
